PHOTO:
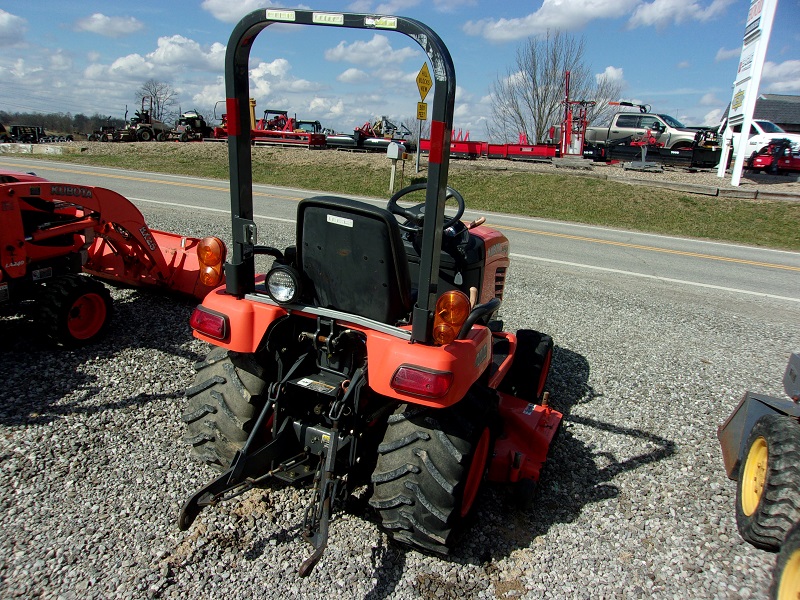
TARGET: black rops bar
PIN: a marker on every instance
(240, 272)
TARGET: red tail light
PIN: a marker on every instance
(209, 323)
(417, 381)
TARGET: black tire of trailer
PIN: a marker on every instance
(74, 310)
(227, 396)
(431, 464)
(528, 374)
(768, 487)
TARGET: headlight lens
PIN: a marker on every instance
(283, 284)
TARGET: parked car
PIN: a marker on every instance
(761, 134)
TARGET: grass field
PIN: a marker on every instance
(774, 224)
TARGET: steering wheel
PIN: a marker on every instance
(416, 214)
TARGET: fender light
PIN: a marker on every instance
(212, 324)
(211, 252)
(452, 309)
(284, 284)
(425, 383)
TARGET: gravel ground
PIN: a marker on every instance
(633, 502)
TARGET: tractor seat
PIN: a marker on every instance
(352, 257)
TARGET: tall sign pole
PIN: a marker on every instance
(745, 87)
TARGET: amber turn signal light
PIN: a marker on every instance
(211, 252)
(452, 310)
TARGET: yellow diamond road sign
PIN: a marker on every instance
(424, 81)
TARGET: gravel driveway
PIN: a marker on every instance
(633, 502)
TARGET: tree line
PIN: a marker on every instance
(60, 123)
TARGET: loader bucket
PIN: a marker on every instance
(733, 432)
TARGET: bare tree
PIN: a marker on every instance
(164, 99)
(530, 98)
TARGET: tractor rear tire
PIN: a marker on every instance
(74, 310)
(786, 575)
(767, 498)
(228, 394)
(144, 135)
(528, 374)
(430, 467)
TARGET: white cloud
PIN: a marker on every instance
(553, 14)
(231, 12)
(352, 75)
(210, 94)
(12, 29)
(611, 74)
(660, 13)
(373, 53)
(172, 56)
(60, 62)
(396, 7)
(277, 68)
(712, 119)
(782, 78)
(684, 64)
(709, 99)
(725, 54)
(113, 27)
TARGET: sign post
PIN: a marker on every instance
(745, 87)
(424, 83)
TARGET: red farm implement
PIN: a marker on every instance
(52, 235)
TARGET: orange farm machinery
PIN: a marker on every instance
(53, 236)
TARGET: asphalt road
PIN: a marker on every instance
(737, 270)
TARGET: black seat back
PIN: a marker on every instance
(352, 255)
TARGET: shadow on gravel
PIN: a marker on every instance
(576, 474)
(43, 382)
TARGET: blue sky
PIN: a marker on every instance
(680, 56)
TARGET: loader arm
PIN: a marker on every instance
(121, 247)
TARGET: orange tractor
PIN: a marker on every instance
(54, 235)
(371, 352)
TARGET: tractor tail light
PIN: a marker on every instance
(452, 309)
(211, 253)
(425, 383)
(209, 323)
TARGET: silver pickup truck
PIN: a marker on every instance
(667, 130)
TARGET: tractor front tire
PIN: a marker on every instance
(227, 397)
(768, 489)
(74, 310)
(786, 575)
(144, 135)
(430, 467)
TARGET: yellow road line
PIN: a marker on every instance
(146, 180)
(581, 238)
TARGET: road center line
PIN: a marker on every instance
(581, 238)
(656, 277)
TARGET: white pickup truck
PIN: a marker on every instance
(761, 132)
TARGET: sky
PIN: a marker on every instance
(91, 56)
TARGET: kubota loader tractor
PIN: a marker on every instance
(54, 235)
(370, 353)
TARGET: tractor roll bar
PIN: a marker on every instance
(240, 272)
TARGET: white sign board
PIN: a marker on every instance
(748, 77)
